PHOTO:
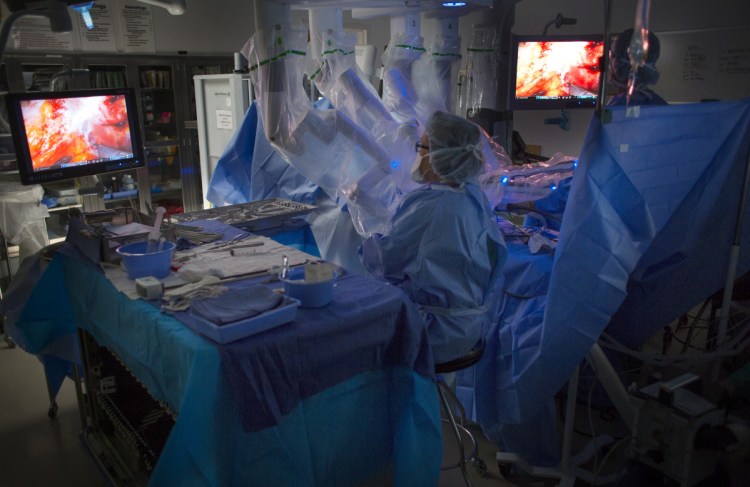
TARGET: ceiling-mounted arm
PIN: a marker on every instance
(174, 7)
(56, 11)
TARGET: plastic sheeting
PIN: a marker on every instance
(22, 217)
(477, 79)
(339, 80)
(327, 148)
(399, 92)
(536, 181)
(434, 77)
(639, 45)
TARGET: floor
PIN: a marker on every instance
(38, 451)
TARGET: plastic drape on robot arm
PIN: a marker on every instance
(433, 77)
(477, 78)
(399, 93)
(496, 166)
(276, 60)
(337, 77)
(531, 182)
(327, 148)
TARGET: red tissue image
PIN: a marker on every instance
(558, 69)
(71, 131)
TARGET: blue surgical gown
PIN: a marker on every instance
(444, 249)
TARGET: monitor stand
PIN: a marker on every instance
(91, 190)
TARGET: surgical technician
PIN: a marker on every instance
(443, 246)
(647, 74)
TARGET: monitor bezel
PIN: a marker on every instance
(548, 103)
(23, 155)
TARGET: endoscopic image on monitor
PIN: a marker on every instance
(73, 134)
(550, 73)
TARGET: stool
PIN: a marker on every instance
(444, 391)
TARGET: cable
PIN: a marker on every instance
(692, 326)
(606, 457)
(591, 421)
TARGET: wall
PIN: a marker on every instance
(223, 26)
(215, 26)
(207, 27)
(712, 28)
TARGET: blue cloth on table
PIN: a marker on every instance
(51, 337)
(235, 305)
(270, 373)
(395, 409)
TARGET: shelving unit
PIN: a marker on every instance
(164, 86)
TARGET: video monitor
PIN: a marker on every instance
(555, 72)
(69, 134)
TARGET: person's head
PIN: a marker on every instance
(450, 149)
(620, 61)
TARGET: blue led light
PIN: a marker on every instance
(454, 4)
(553, 187)
(83, 9)
(575, 164)
(504, 180)
(394, 164)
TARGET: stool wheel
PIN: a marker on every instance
(479, 466)
(9, 341)
(52, 411)
(506, 469)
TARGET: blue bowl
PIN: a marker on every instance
(140, 264)
(309, 294)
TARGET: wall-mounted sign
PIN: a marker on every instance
(102, 36)
(33, 32)
(137, 26)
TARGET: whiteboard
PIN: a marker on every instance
(705, 64)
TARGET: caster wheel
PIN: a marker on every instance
(479, 466)
(9, 341)
(52, 411)
(506, 469)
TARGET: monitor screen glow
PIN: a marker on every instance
(62, 135)
(555, 72)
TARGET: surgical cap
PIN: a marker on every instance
(455, 147)
(620, 61)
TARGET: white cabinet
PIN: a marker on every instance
(221, 102)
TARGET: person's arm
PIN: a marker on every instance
(386, 256)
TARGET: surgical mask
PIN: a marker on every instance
(416, 174)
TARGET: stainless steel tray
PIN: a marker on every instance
(252, 216)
